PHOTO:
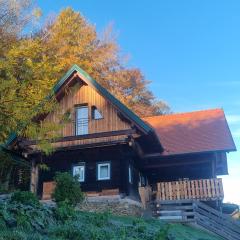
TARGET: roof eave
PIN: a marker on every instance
(189, 153)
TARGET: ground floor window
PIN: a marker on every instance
(103, 171)
(142, 180)
(130, 177)
(79, 171)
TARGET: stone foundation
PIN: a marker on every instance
(115, 204)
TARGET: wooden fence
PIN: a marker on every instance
(202, 189)
(198, 212)
(216, 222)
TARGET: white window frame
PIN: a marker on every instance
(130, 176)
(84, 169)
(99, 165)
(81, 128)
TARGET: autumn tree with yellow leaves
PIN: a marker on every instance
(31, 64)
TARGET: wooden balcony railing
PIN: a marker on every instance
(202, 189)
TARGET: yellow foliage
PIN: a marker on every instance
(31, 66)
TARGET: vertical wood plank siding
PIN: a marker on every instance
(202, 189)
(87, 95)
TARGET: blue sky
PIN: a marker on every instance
(190, 50)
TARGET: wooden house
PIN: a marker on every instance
(113, 151)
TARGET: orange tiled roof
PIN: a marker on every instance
(199, 131)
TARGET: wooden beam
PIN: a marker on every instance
(83, 146)
(152, 155)
(86, 136)
(159, 154)
(137, 148)
(34, 176)
(183, 163)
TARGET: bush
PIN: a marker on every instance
(67, 189)
(99, 219)
(64, 212)
(67, 231)
(28, 217)
(25, 197)
(229, 208)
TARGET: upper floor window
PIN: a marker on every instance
(79, 171)
(81, 124)
(96, 114)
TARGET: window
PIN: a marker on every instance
(79, 170)
(96, 114)
(81, 120)
(103, 171)
(142, 180)
(130, 178)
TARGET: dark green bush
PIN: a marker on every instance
(25, 197)
(14, 214)
(229, 208)
(99, 219)
(12, 235)
(67, 231)
(67, 189)
(3, 189)
(64, 211)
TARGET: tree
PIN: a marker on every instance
(130, 87)
(31, 65)
(14, 17)
(14, 104)
(26, 77)
(73, 40)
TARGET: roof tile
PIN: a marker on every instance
(199, 131)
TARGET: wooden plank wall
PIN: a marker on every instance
(202, 189)
(87, 95)
(49, 187)
(145, 195)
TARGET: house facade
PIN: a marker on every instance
(114, 152)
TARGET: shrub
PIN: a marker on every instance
(66, 231)
(3, 189)
(64, 211)
(67, 189)
(27, 217)
(98, 219)
(229, 208)
(25, 197)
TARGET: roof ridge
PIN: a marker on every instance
(185, 113)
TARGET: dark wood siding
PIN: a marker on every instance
(172, 168)
(133, 187)
(118, 156)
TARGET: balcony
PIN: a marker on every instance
(202, 189)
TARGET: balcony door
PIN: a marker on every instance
(81, 126)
